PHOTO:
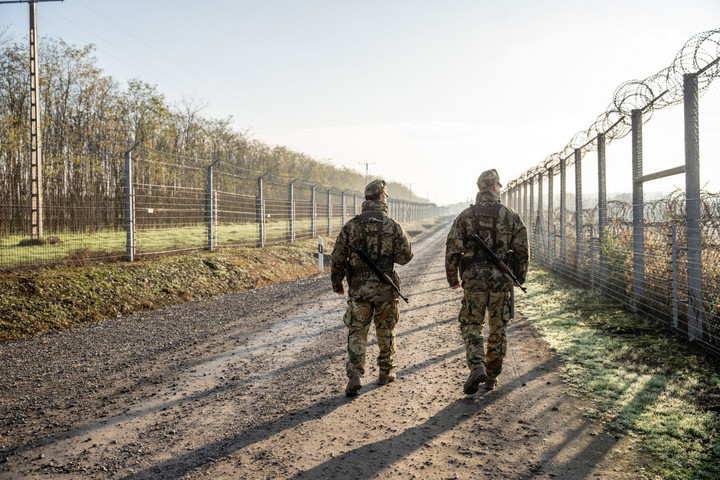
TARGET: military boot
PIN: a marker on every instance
(476, 376)
(385, 377)
(491, 384)
(353, 386)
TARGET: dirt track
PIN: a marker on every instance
(250, 385)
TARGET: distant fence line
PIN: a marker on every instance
(278, 208)
(171, 204)
(659, 257)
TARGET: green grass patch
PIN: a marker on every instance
(641, 379)
(33, 301)
(59, 246)
(36, 300)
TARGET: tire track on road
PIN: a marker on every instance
(259, 394)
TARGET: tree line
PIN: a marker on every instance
(88, 121)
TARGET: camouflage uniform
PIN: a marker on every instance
(485, 286)
(369, 298)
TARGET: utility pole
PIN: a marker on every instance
(366, 170)
(36, 192)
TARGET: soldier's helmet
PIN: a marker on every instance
(375, 187)
(487, 179)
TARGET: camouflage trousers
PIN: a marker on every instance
(472, 319)
(357, 318)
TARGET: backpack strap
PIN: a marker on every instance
(488, 214)
(362, 222)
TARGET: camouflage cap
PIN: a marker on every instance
(488, 178)
(375, 187)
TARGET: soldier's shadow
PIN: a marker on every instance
(368, 460)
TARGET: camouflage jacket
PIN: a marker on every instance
(384, 240)
(502, 229)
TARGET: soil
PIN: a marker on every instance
(250, 385)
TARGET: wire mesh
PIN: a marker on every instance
(640, 257)
(174, 203)
(83, 210)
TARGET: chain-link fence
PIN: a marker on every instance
(143, 201)
(651, 240)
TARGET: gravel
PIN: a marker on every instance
(250, 385)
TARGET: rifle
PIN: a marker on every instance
(496, 260)
(512, 302)
(380, 274)
(348, 271)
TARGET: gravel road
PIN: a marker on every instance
(251, 386)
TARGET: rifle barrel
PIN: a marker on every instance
(497, 260)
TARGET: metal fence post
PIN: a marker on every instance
(692, 204)
(215, 216)
(531, 211)
(563, 212)
(261, 213)
(329, 212)
(638, 201)
(292, 211)
(550, 219)
(592, 257)
(602, 209)
(342, 217)
(313, 213)
(578, 215)
(211, 224)
(674, 261)
(539, 227)
(555, 246)
(129, 206)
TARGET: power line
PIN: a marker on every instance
(205, 84)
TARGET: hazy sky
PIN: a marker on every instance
(428, 93)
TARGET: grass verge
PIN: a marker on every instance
(34, 301)
(642, 381)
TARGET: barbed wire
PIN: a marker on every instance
(659, 214)
(699, 56)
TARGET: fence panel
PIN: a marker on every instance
(168, 203)
(83, 217)
(649, 214)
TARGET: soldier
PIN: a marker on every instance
(485, 286)
(369, 298)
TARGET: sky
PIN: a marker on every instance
(427, 93)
